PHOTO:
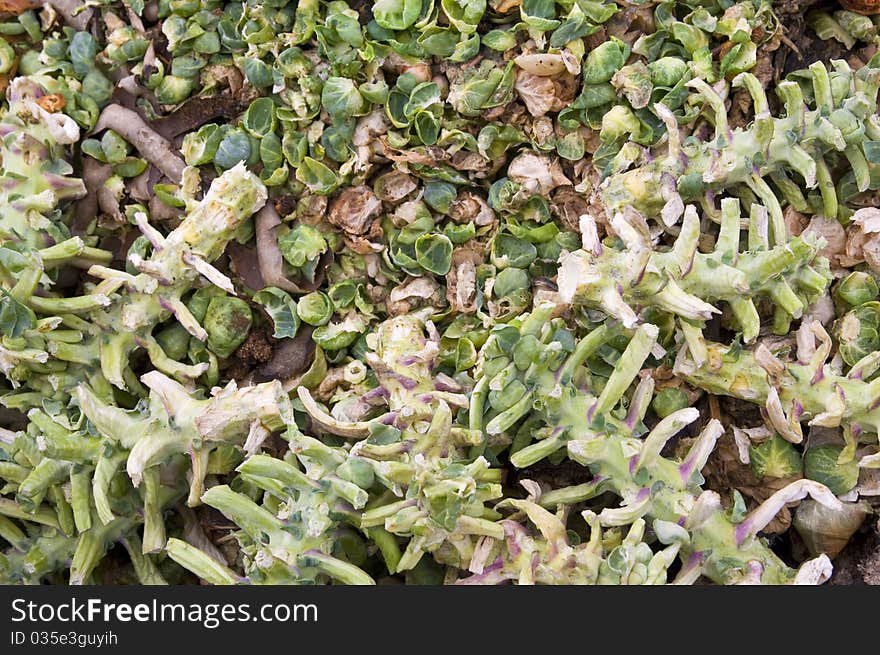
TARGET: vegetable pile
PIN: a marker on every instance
(436, 292)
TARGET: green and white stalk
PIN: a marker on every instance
(549, 557)
(176, 421)
(277, 551)
(427, 460)
(178, 262)
(791, 151)
(808, 390)
(688, 283)
(666, 493)
(36, 176)
(119, 314)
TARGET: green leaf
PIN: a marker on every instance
(509, 281)
(574, 27)
(438, 42)
(434, 253)
(96, 86)
(423, 224)
(465, 354)
(421, 97)
(341, 99)
(188, 66)
(669, 400)
(335, 336)
(317, 176)
(281, 308)
(271, 152)
(482, 88)
(315, 308)
(598, 12)
(15, 318)
(375, 92)
(259, 119)
(427, 128)
(466, 49)
(692, 38)
(775, 458)
(396, 14)
(83, 51)
(257, 72)
(167, 193)
(130, 167)
(738, 509)
(460, 233)
(508, 250)
(439, 195)
(605, 60)
(342, 294)
(464, 15)
(200, 147)
(294, 147)
(571, 147)
(822, 464)
(13, 261)
(92, 148)
(227, 321)
(336, 141)
(234, 148)
(872, 151)
(275, 177)
(499, 40)
(173, 89)
(739, 58)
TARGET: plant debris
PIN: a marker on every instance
(444, 291)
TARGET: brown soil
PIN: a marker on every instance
(859, 562)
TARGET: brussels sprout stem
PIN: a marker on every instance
(802, 391)
(791, 274)
(744, 156)
(205, 567)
